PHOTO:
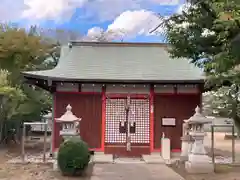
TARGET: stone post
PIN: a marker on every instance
(186, 141)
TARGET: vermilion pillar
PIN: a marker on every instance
(103, 117)
(151, 104)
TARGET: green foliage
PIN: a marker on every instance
(208, 33)
(205, 30)
(220, 102)
(73, 157)
(21, 50)
(224, 102)
(12, 96)
(10, 99)
(27, 50)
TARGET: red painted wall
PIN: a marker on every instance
(179, 106)
(85, 106)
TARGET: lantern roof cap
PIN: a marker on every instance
(198, 118)
(68, 116)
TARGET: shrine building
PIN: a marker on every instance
(127, 94)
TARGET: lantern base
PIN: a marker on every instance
(199, 168)
(184, 150)
(199, 164)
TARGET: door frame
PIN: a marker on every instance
(137, 149)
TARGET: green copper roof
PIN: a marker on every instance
(91, 61)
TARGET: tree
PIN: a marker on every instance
(11, 98)
(222, 103)
(55, 35)
(206, 33)
(21, 51)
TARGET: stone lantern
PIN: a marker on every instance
(70, 123)
(198, 161)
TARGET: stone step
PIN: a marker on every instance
(102, 158)
(129, 160)
(153, 159)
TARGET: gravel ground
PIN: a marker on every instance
(30, 171)
(10, 171)
(223, 172)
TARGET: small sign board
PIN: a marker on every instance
(168, 122)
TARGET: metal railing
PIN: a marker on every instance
(24, 137)
(212, 141)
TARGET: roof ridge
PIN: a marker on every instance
(129, 44)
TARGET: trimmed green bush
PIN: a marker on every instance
(73, 157)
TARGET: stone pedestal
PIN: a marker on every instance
(198, 161)
(165, 148)
(199, 164)
(186, 147)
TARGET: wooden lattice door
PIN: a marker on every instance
(122, 125)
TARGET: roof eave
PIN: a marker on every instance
(28, 75)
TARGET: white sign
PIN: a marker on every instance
(168, 121)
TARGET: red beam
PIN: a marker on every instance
(177, 94)
(73, 92)
(133, 96)
(54, 124)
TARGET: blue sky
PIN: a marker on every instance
(127, 20)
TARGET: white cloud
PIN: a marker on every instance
(129, 24)
(95, 31)
(51, 9)
(105, 10)
(60, 10)
(110, 9)
(135, 22)
(10, 11)
(166, 2)
(98, 34)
